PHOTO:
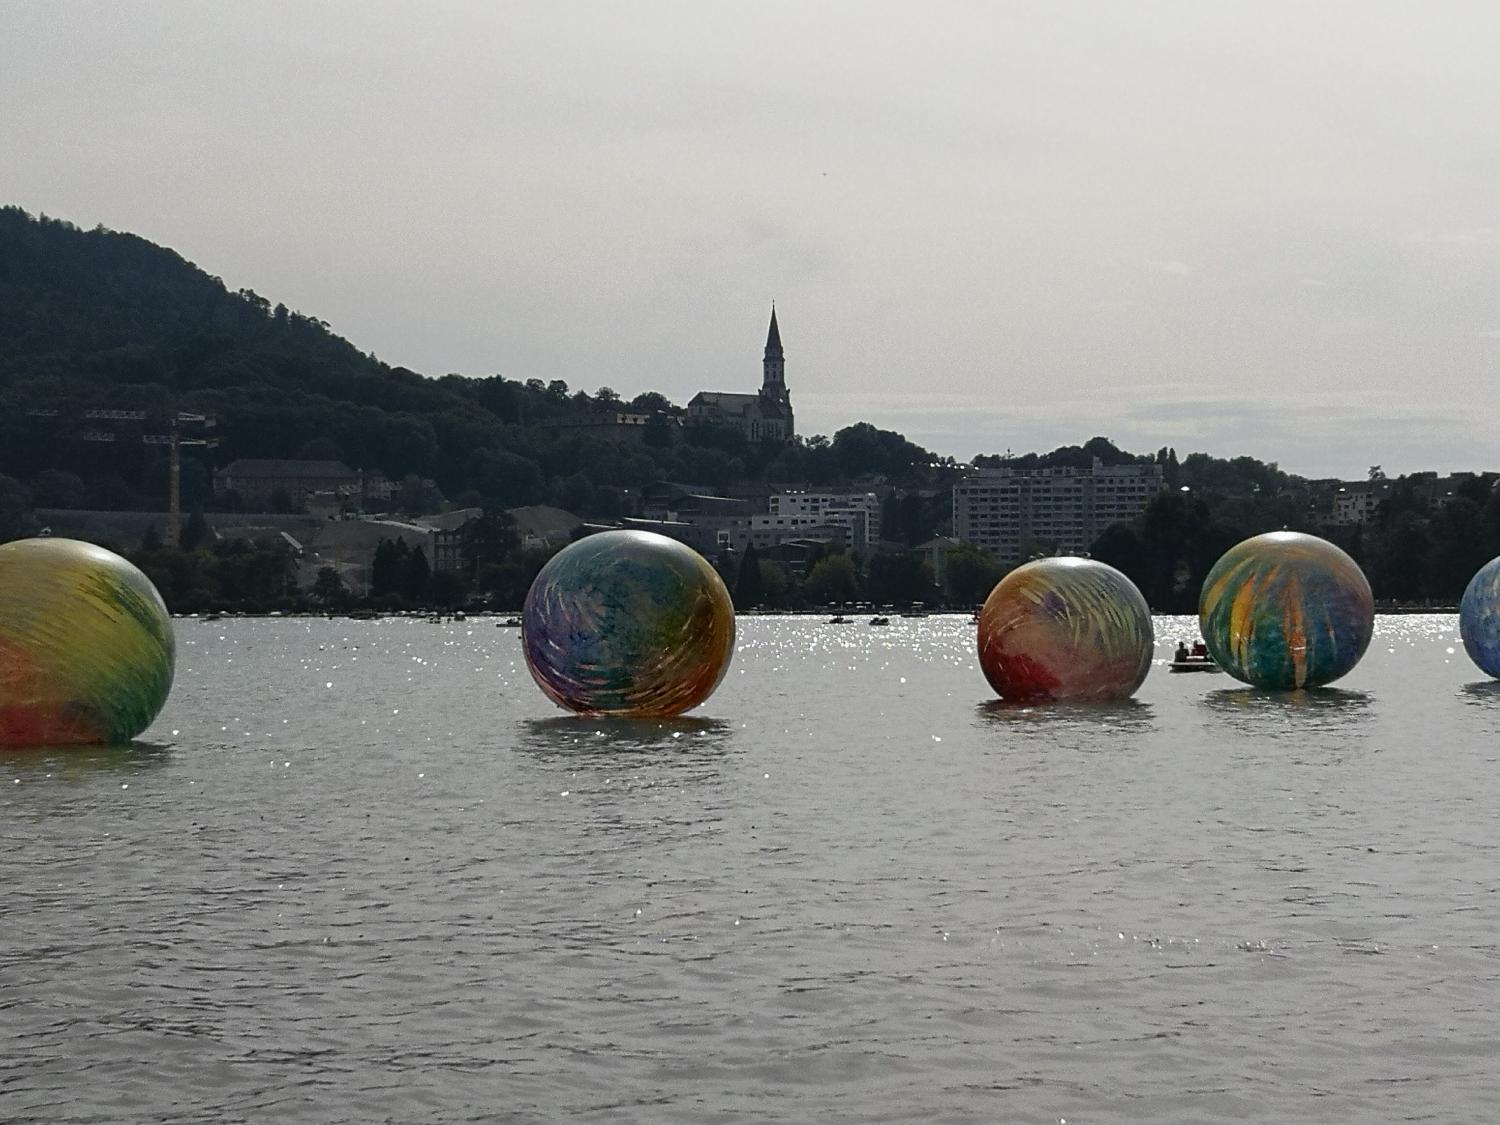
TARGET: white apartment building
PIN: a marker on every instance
(1002, 509)
(858, 511)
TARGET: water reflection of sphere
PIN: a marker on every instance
(86, 645)
(628, 623)
(1065, 629)
(1479, 618)
(1286, 610)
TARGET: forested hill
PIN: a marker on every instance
(102, 319)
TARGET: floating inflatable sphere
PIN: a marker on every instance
(628, 623)
(1286, 610)
(1065, 629)
(86, 645)
(1479, 618)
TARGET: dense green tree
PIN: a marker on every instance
(899, 577)
(329, 587)
(195, 532)
(749, 586)
(411, 584)
(970, 573)
(17, 521)
(447, 589)
(775, 583)
(418, 496)
(57, 488)
(387, 567)
(489, 540)
(831, 580)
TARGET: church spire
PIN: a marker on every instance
(773, 338)
(773, 381)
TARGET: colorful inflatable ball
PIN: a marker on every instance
(86, 645)
(1286, 610)
(1479, 618)
(1065, 629)
(628, 623)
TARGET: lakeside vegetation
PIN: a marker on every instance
(102, 320)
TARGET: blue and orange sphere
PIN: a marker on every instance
(1065, 629)
(87, 649)
(1479, 618)
(628, 623)
(1286, 610)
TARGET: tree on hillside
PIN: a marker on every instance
(195, 533)
(387, 567)
(411, 584)
(329, 587)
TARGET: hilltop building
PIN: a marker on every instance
(1006, 510)
(301, 481)
(762, 417)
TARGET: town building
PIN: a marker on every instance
(765, 532)
(857, 512)
(762, 417)
(1356, 501)
(1007, 510)
(256, 481)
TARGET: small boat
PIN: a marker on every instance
(839, 619)
(880, 621)
(1194, 664)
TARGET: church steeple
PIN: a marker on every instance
(773, 382)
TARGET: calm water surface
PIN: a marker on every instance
(363, 871)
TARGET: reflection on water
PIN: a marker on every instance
(581, 735)
(1483, 692)
(1107, 715)
(1274, 713)
(390, 882)
(66, 761)
(1325, 699)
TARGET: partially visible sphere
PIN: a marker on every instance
(628, 623)
(1479, 618)
(1065, 629)
(1286, 610)
(86, 645)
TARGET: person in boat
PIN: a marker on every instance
(1182, 652)
(1200, 650)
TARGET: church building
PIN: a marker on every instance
(762, 417)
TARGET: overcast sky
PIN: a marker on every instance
(1243, 228)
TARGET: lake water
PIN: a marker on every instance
(363, 871)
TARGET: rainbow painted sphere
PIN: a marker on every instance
(1065, 629)
(86, 645)
(628, 623)
(1286, 610)
(1479, 618)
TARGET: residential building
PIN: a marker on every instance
(763, 532)
(1356, 501)
(858, 512)
(1007, 510)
